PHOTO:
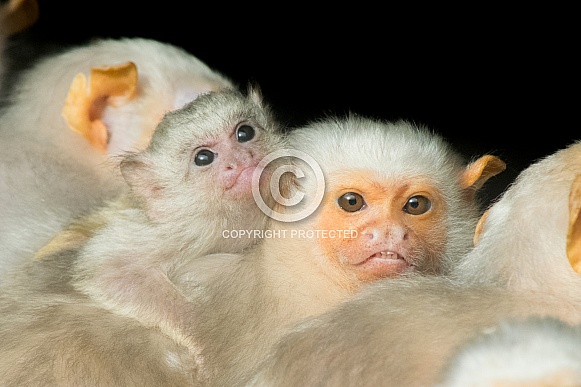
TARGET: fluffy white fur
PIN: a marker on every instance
(178, 209)
(49, 173)
(532, 352)
(239, 304)
(397, 151)
(402, 331)
(251, 302)
(524, 240)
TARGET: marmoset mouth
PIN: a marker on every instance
(384, 263)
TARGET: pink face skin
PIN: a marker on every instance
(235, 163)
(233, 159)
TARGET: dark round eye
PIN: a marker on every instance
(204, 157)
(417, 205)
(245, 133)
(351, 202)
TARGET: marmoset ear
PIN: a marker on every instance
(84, 105)
(478, 172)
(480, 227)
(574, 232)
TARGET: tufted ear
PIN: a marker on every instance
(255, 93)
(84, 105)
(139, 172)
(574, 232)
(479, 171)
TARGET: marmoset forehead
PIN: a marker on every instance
(364, 143)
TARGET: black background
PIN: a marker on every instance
(490, 80)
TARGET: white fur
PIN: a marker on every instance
(174, 211)
(48, 173)
(402, 332)
(393, 151)
(402, 148)
(238, 305)
(250, 303)
(530, 351)
(524, 241)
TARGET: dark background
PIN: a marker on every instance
(490, 80)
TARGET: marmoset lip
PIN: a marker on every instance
(387, 255)
(386, 252)
(388, 262)
(242, 180)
